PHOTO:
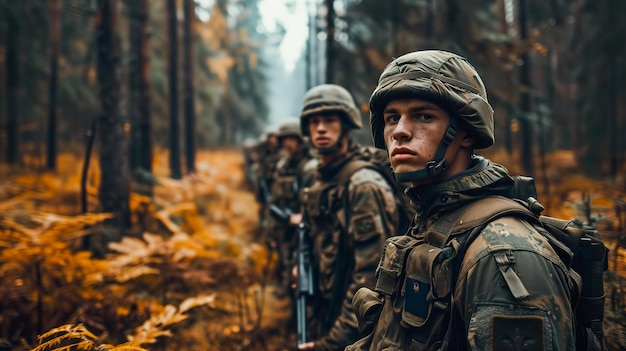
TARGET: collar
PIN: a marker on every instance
(483, 178)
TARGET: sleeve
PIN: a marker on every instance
(513, 292)
(372, 219)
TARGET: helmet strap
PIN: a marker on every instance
(438, 165)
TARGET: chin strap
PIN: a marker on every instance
(438, 164)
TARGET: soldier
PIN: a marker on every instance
(292, 173)
(505, 289)
(265, 156)
(249, 159)
(350, 213)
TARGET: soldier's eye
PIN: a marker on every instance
(390, 119)
(424, 117)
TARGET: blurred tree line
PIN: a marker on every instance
(554, 70)
(49, 61)
(136, 74)
(133, 74)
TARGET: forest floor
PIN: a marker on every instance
(216, 211)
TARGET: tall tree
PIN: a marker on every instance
(330, 41)
(114, 186)
(12, 89)
(55, 42)
(525, 123)
(188, 99)
(175, 166)
(140, 92)
(600, 92)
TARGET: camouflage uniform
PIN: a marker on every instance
(350, 216)
(506, 289)
(265, 156)
(292, 174)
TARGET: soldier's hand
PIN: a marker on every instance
(294, 277)
(307, 346)
(295, 219)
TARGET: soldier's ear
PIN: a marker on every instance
(468, 139)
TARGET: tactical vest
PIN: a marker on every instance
(411, 306)
(326, 207)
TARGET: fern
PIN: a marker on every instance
(64, 333)
(77, 337)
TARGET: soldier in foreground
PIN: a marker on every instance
(350, 212)
(506, 289)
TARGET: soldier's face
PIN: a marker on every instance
(413, 130)
(272, 140)
(325, 130)
(290, 144)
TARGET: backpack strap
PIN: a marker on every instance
(350, 168)
(476, 214)
(343, 263)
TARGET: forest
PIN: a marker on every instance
(125, 219)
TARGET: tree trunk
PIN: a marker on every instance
(141, 154)
(55, 41)
(615, 132)
(330, 39)
(12, 84)
(308, 81)
(133, 83)
(114, 186)
(190, 138)
(175, 167)
(526, 126)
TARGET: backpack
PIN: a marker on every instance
(579, 247)
(377, 159)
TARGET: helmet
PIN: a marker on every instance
(329, 98)
(442, 77)
(289, 129)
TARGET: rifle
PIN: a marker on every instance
(305, 282)
(265, 196)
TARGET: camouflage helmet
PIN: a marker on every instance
(329, 98)
(442, 77)
(290, 128)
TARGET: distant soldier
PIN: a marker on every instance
(265, 155)
(249, 159)
(351, 211)
(293, 171)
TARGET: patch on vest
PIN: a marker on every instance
(364, 224)
(416, 297)
(517, 333)
(509, 327)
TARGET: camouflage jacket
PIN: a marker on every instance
(263, 168)
(291, 175)
(350, 222)
(511, 292)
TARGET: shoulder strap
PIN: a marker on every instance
(350, 168)
(476, 214)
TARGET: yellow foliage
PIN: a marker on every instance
(72, 337)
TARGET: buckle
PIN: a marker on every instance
(434, 168)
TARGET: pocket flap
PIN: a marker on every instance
(418, 284)
(392, 262)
